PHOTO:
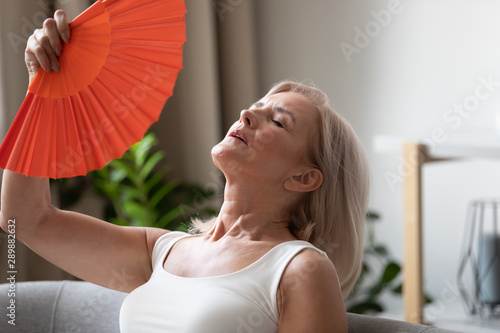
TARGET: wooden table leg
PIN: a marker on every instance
(414, 157)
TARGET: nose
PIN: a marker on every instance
(248, 118)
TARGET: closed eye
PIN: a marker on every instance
(277, 123)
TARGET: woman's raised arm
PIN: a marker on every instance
(91, 249)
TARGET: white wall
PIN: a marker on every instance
(427, 58)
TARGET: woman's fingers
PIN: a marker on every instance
(54, 40)
(45, 45)
(32, 63)
(43, 51)
(36, 55)
(62, 22)
(49, 38)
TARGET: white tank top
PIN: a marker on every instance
(242, 301)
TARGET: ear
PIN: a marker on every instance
(306, 181)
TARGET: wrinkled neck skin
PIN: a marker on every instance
(253, 211)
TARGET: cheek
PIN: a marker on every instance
(264, 140)
(276, 147)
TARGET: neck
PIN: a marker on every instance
(254, 212)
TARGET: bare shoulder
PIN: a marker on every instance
(151, 236)
(310, 263)
(310, 297)
(312, 270)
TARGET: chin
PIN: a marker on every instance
(226, 160)
(216, 154)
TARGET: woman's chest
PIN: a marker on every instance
(196, 259)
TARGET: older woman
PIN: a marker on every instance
(281, 255)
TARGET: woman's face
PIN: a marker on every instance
(269, 141)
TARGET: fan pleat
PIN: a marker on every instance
(74, 141)
(117, 138)
(53, 140)
(86, 128)
(142, 37)
(145, 8)
(32, 135)
(74, 158)
(61, 166)
(162, 21)
(119, 112)
(122, 137)
(170, 54)
(133, 83)
(29, 130)
(111, 149)
(144, 61)
(41, 139)
(147, 76)
(119, 108)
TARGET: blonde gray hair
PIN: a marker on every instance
(331, 217)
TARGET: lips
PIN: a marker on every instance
(238, 135)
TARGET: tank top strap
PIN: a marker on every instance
(163, 245)
(280, 256)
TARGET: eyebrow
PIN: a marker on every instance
(277, 108)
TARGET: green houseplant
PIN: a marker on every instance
(137, 193)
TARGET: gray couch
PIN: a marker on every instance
(80, 307)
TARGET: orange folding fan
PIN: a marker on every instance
(116, 73)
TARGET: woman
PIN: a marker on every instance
(284, 251)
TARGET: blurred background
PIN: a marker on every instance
(422, 70)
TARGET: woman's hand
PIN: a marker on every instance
(45, 45)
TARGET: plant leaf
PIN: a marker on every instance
(143, 147)
(117, 175)
(127, 168)
(162, 192)
(372, 216)
(131, 193)
(170, 216)
(153, 180)
(375, 291)
(137, 213)
(380, 249)
(151, 162)
(391, 271)
(398, 289)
